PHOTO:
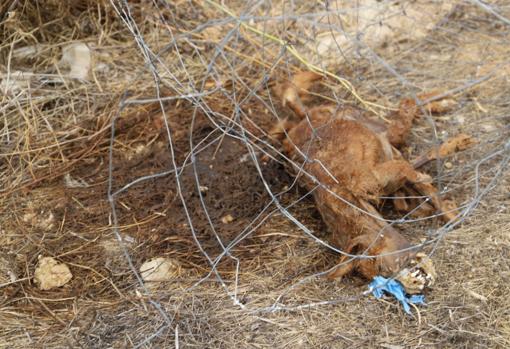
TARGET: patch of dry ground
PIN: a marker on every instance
(54, 157)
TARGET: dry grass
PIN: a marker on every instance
(56, 126)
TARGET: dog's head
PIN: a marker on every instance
(391, 256)
(389, 253)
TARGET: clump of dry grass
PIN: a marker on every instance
(54, 127)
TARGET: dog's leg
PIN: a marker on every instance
(401, 124)
(400, 202)
(393, 174)
(291, 93)
(438, 106)
(407, 200)
(446, 208)
(449, 147)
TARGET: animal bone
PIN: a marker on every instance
(419, 275)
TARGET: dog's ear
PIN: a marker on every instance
(358, 245)
(369, 267)
(347, 264)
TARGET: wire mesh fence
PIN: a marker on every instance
(174, 124)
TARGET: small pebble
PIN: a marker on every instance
(227, 219)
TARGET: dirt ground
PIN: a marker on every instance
(68, 143)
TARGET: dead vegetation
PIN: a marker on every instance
(213, 77)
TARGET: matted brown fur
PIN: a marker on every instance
(351, 160)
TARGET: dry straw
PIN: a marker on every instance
(161, 152)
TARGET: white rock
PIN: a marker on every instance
(160, 269)
(227, 219)
(50, 274)
(78, 57)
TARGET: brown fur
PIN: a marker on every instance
(356, 158)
